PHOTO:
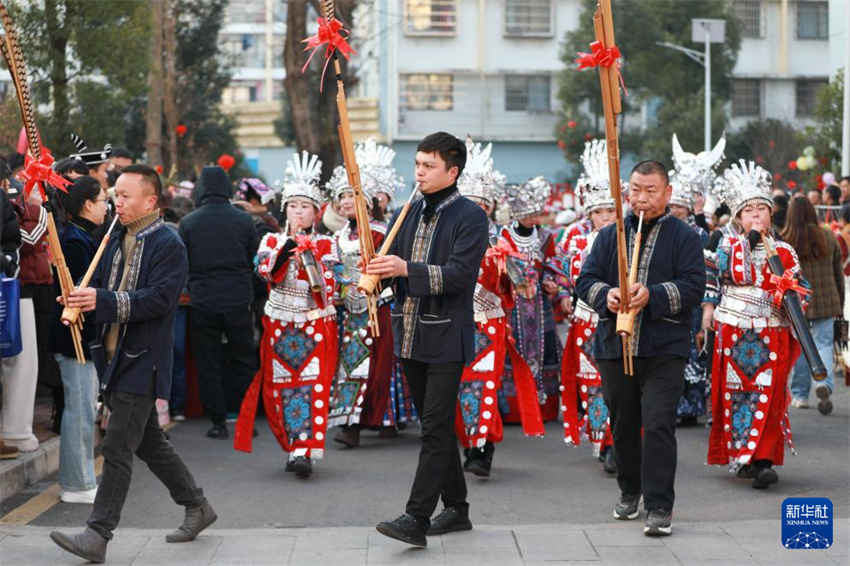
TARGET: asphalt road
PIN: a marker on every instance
(534, 481)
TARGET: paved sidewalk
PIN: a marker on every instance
(743, 542)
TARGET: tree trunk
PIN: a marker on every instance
(297, 87)
(172, 114)
(58, 41)
(153, 121)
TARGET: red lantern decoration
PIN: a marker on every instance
(158, 169)
(562, 145)
(226, 162)
(792, 185)
(792, 164)
(571, 124)
(181, 130)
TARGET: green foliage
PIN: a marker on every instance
(87, 60)
(671, 82)
(825, 137)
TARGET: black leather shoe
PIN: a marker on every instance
(765, 476)
(449, 521)
(218, 432)
(610, 463)
(405, 529)
(88, 544)
(197, 519)
(746, 471)
(481, 460)
(302, 466)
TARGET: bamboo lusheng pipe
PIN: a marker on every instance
(367, 244)
(791, 302)
(626, 320)
(17, 69)
(368, 283)
(70, 315)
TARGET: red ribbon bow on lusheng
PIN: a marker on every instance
(330, 32)
(784, 284)
(601, 56)
(305, 244)
(39, 172)
(500, 252)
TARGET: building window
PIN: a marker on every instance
(529, 18)
(807, 95)
(528, 93)
(426, 92)
(748, 15)
(746, 97)
(430, 17)
(812, 19)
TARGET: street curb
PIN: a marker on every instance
(30, 468)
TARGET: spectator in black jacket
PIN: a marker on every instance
(221, 241)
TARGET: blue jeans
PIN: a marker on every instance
(76, 443)
(178, 371)
(801, 377)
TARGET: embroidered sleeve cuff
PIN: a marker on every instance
(593, 295)
(435, 277)
(122, 299)
(673, 296)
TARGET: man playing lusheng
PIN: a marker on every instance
(671, 282)
(134, 295)
(435, 260)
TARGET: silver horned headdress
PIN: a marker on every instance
(301, 179)
(377, 174)
(743, 184)
(594, 186)
(479, 181)
(696, 171)
(529, 198)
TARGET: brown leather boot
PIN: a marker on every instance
(8, 452)
(349, 435)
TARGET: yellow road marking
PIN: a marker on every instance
(44, 501)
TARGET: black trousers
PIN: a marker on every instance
(134, 429)
(648, 400)
(434, 388)
(224, 372)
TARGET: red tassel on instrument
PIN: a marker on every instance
(330, 33)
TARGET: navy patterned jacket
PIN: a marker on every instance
(432, 316)
(146, 311)
(671, 265)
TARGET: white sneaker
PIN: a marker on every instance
(85, 497)
(800, 404)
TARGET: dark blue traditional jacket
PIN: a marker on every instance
(432, 315)
(145, 311)
(671, 266)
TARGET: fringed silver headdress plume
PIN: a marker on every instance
(594, 185)
(301, 179)
(698, 170)
(529, 198)
(377, 174)
(338, 184)
(479, 181)
(743, 184)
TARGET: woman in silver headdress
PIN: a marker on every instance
(754, 348)
(362, 389)
(533, 320)
(298, 351)
(580, 379)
